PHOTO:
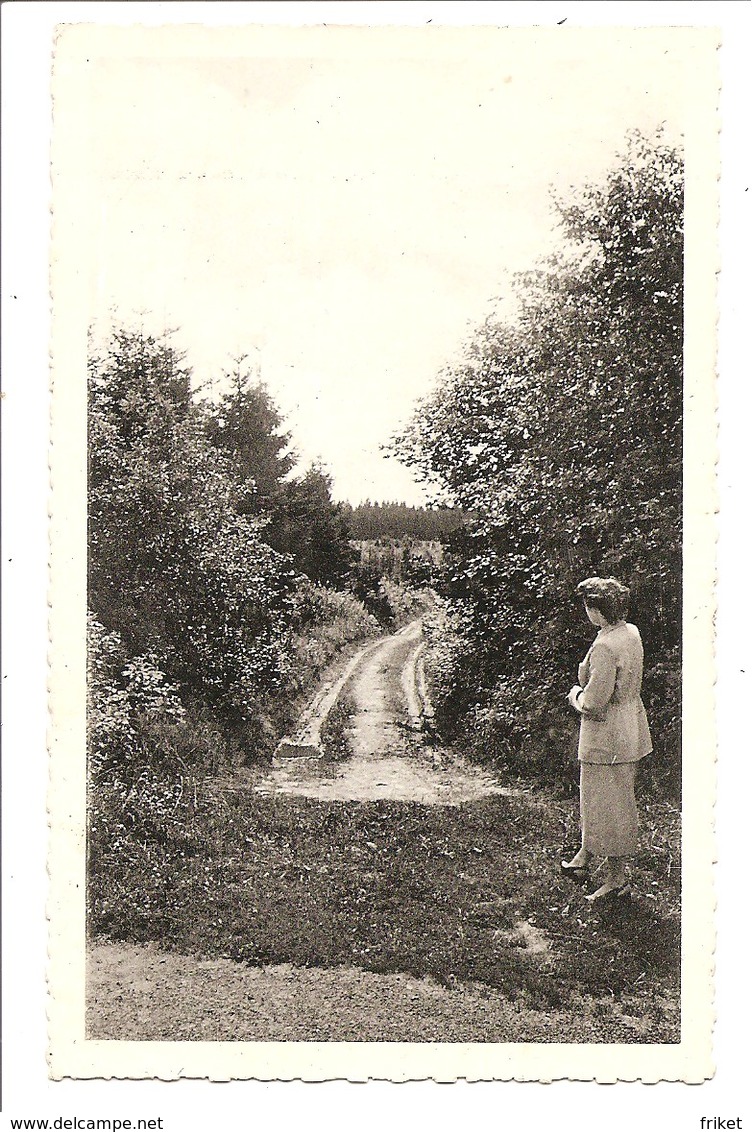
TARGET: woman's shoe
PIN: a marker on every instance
(576, 872)
(619, 892)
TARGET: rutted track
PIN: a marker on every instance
(385, 687)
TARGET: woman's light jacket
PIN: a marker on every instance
(614, 726)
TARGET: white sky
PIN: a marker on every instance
(340, 207)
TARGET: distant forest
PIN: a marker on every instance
(398, 520)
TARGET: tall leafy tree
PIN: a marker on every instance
(561, 430)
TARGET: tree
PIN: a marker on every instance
(561, 432)
(300, 517)
(247, 427)
(173, 568)
(309, 526)
(398, 520)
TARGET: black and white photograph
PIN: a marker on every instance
(382, 549)
(384, 392)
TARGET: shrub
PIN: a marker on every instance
(127, 701)
(403, 603)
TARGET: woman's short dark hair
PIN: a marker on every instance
(608, 595)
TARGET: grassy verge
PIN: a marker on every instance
(335, 738)
(389, 886)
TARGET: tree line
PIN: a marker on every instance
(395, 520)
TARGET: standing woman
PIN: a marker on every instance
(614, 736)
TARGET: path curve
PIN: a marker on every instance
(385, 689)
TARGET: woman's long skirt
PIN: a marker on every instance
(608, 811)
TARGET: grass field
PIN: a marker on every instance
(465, 893)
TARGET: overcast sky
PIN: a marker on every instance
(342, 204)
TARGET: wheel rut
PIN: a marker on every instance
(388, 725)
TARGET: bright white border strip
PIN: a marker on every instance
(198, 1105)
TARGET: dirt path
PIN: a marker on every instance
(385, 686)
(138, 993)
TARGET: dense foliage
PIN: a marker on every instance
(392, 576)
(174, 569)
(195, 570)
(306, 524)
(561, 431)
(246, 425)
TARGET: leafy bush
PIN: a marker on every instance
(393, 577)
(403, 603)
(128, 701)
(327, 621)
(174, 569)
(320, 607)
